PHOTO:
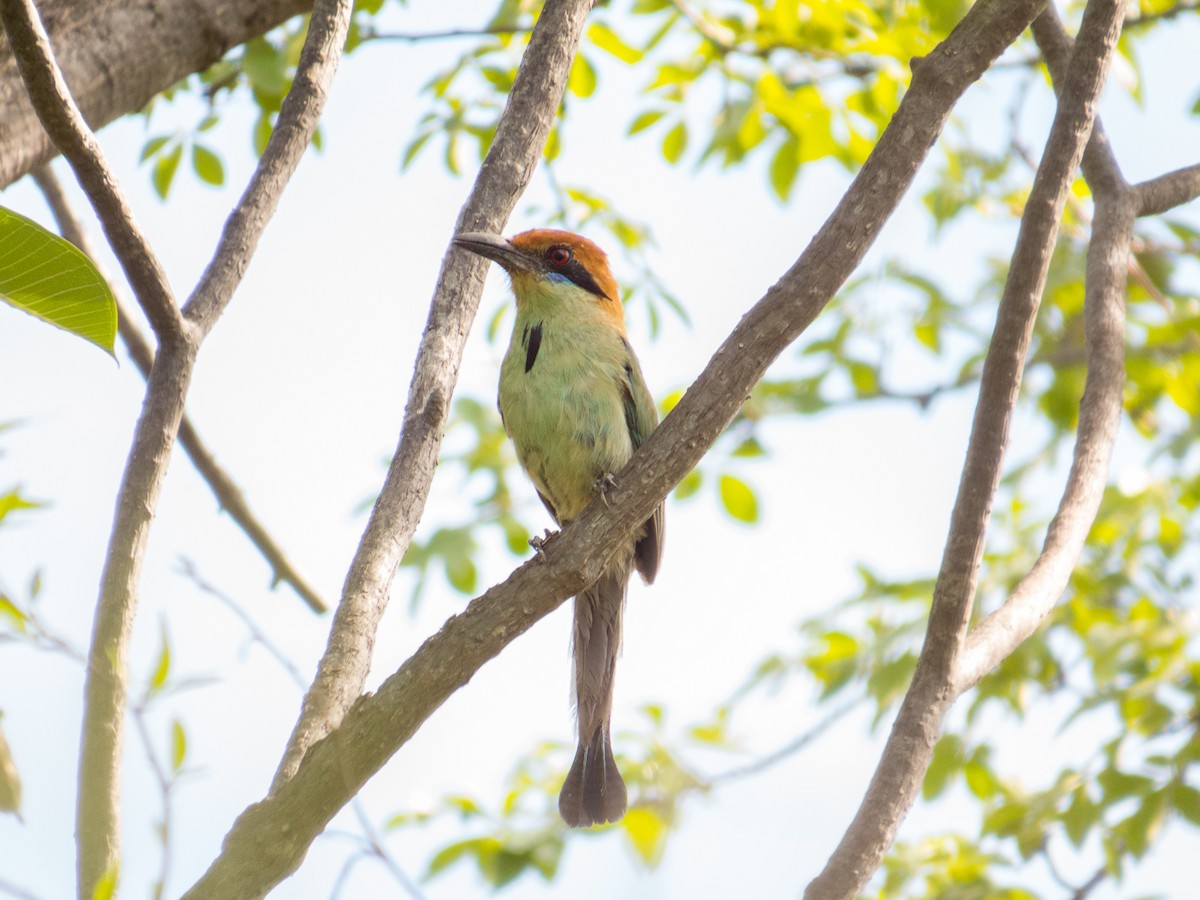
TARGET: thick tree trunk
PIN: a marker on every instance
(117, 54)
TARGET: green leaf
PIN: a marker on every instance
(262, 132)
(53, 280)
(106, 887)
(582, 80)
(644, 121)
(162, 668)
(152, 146)
(13, 501)
(947, 759)
(785, 165)
(1081, 816)
(164, 171)
(265, 68)
(610, 42)
(461, 573)
(689, 485)
(675, 143)
(738, 499)
(208, 166)
(647, 833)
(178, 745)
(1186, 800)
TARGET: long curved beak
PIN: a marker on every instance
(496, 248)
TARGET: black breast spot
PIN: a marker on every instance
(532, 345)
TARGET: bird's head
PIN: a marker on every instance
(544, 260)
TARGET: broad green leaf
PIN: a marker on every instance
(947, 759)
(265, 67)
(152, 147)
(644, 121)
(610, 42)
(785, 165)
(582, 79)
(207, 165)
(738, 499)
(53, 280)
(675, 143)
(164, 171)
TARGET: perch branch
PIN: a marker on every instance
(269, 839)
(515, 151)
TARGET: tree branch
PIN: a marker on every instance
(1168, 191)
(906, 755)
(269, 839)
(219, 481)
(114, 69)
(64, 123)
(520, 136)
(298, 119)
(1100, 407)
(98, 810)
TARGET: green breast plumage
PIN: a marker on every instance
(567, 402)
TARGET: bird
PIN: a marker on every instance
(575, 405)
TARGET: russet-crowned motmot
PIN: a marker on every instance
(574, 403)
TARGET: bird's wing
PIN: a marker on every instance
(641, 418)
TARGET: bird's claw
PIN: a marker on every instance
(604, 484)
(538, 543)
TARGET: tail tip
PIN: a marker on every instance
(594, 792)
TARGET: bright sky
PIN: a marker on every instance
(300, 392)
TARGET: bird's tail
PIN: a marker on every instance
(594, 792)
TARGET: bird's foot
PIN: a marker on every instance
(603, 485)
(540, 542)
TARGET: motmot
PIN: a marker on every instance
(575, 405)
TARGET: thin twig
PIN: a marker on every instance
(906, 756)
(219, 481)
(65, 125)
(791, 748)
(12, 890)
(188, 568)
(166, 786)
(510, 162)
(371, 34)
(270, 839)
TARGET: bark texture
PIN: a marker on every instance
(117, 54)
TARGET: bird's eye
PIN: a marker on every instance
(558, 256)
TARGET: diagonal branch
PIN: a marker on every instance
(906, 755)
(269, 839)
(516, 148)
(223, 486)
(64, 123)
